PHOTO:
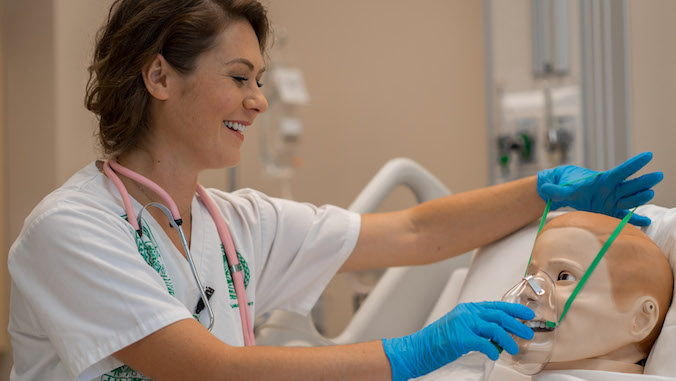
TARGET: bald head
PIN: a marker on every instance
(636, 265)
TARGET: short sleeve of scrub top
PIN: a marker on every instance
(298, 247)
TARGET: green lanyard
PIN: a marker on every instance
(594, 263)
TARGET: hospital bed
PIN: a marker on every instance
(408, 298)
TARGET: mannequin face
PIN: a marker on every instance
(617, 308)
(593, 326)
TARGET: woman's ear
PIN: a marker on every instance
(645, 316)
(156, 77)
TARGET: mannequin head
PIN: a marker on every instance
(617, 316)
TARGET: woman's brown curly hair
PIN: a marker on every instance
(136, 31)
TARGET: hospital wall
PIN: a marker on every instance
(653, 85)
(4, 336)
(386, 78)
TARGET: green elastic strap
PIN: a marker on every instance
(596, 261)
(542, 224)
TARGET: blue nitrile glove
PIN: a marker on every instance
(608, 192)
(468, 327)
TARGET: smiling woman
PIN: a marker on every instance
(137, 33)
(171, 294)
(201, 115)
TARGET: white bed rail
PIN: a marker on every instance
(400, 171)
(402, 299)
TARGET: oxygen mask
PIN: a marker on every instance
(536, 291)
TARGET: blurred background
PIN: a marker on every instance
(478, 92)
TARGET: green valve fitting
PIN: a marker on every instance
(499, 348)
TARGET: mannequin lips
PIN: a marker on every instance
(538, 326)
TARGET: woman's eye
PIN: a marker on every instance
(565, 275)
(240, 80)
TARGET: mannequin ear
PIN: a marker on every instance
(645, 317)
(156, 75)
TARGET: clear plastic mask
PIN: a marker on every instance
(536, 291)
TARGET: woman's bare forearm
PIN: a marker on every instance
(185, 350)
(445, 227)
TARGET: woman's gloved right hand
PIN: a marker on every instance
(468, 327)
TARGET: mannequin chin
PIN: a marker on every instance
(616, 317)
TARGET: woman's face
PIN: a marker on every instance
(223, 91)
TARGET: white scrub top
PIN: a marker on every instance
(84, 288)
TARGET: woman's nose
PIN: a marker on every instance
(256, 101)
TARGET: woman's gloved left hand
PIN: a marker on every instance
(602, 192)
(468, 327)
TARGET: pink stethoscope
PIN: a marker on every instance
(111, 166)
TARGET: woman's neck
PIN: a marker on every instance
(172, 175)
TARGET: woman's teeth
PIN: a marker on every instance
(538, 326)
(235, 126)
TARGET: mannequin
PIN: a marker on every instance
(615, 319)
(617, 316)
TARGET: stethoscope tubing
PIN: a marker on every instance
(233, 261)
(111, 166)
(184, 243)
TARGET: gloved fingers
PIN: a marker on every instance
(512, 309)
(498, 335)
(518, 328)
(484, 346)
(635, 199)
(557, 192)
(629, 167)
(641, 183)
(508, 323)
(635, 219)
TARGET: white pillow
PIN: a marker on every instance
(662, 230)
(497, 267)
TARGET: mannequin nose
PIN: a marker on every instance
(532, 303)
